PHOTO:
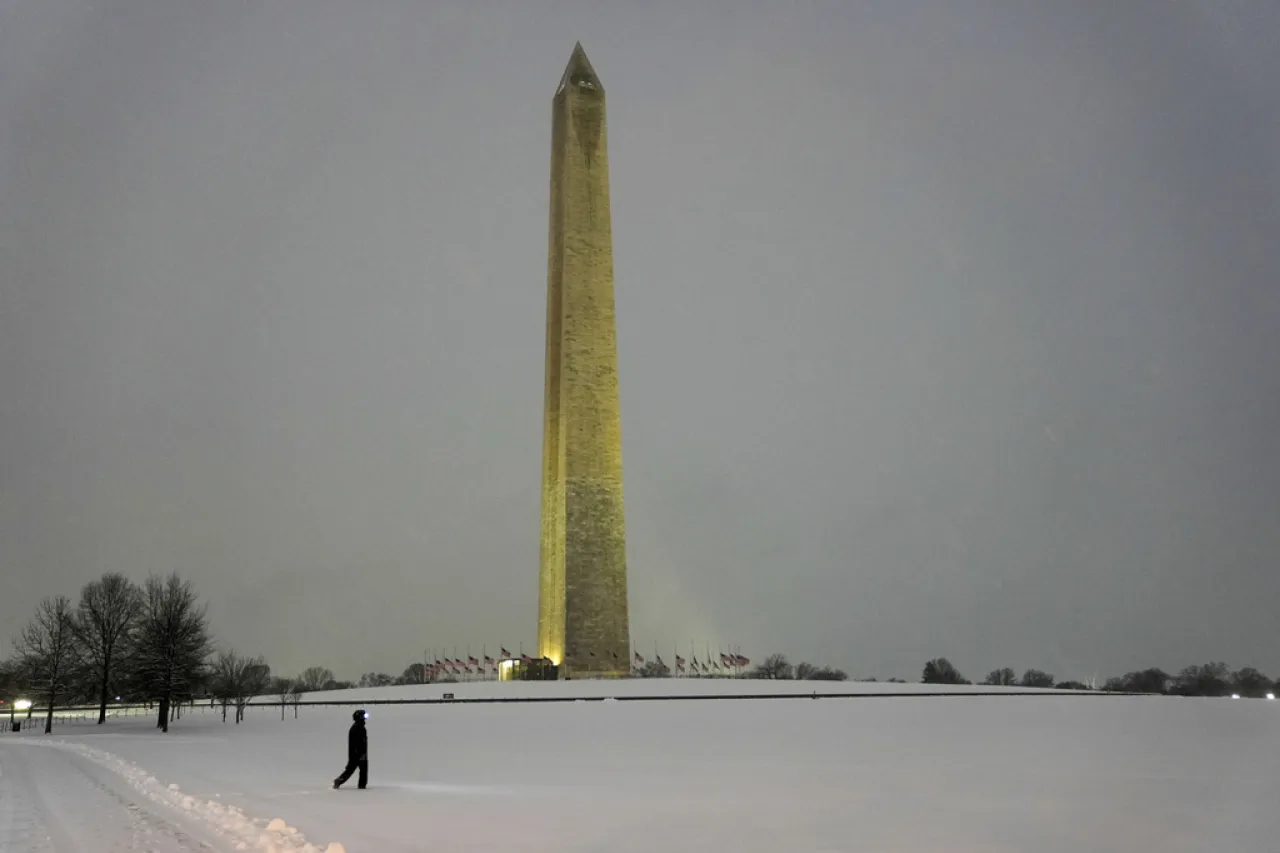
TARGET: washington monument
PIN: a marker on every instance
(582, 589)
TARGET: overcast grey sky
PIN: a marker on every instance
(945, 327)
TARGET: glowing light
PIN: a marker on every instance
(23, 704)
(1235, 695)
(1271, 696)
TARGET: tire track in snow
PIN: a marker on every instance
(100, 799)
(61, 803)
(23, 821)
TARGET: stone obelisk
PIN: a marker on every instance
(582, 589)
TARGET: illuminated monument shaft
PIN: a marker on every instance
(582, 591)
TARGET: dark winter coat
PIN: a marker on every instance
(358, 742)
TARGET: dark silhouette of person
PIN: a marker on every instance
(357, 752)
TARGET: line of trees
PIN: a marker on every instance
(1211, 679)
(147, 644)
(150, 641)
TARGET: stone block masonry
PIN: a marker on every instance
(582, 592)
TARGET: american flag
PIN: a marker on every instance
(639, 659)
(679, 663)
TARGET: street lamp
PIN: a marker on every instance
(18, 705)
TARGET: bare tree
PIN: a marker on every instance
(284, 688)
(1001, 677)
(237, 679)
(1212, 679)
(315, 678)
(10, 686)
(255, 678)
(654, 669)
(1251, 683)
(1154, 680)
(773, 667)
(1036, 678)
(47, 651)
(108, 611)
(8, 680)
(173, 643)
(295, 696)
(808, 672)
(941, 671)
(222, 679)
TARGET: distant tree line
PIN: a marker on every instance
(777, 668)
(1211, 679)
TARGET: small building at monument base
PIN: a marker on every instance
(518, 669)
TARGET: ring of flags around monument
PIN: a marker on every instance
(468, 666)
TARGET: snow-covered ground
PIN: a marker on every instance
(1048, 773)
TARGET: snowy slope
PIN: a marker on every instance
(643, 687)
(1051, 773)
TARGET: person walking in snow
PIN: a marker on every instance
(357, 752)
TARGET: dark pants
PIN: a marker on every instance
(363, 764)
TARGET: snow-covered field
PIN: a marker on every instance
(1043, 773)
